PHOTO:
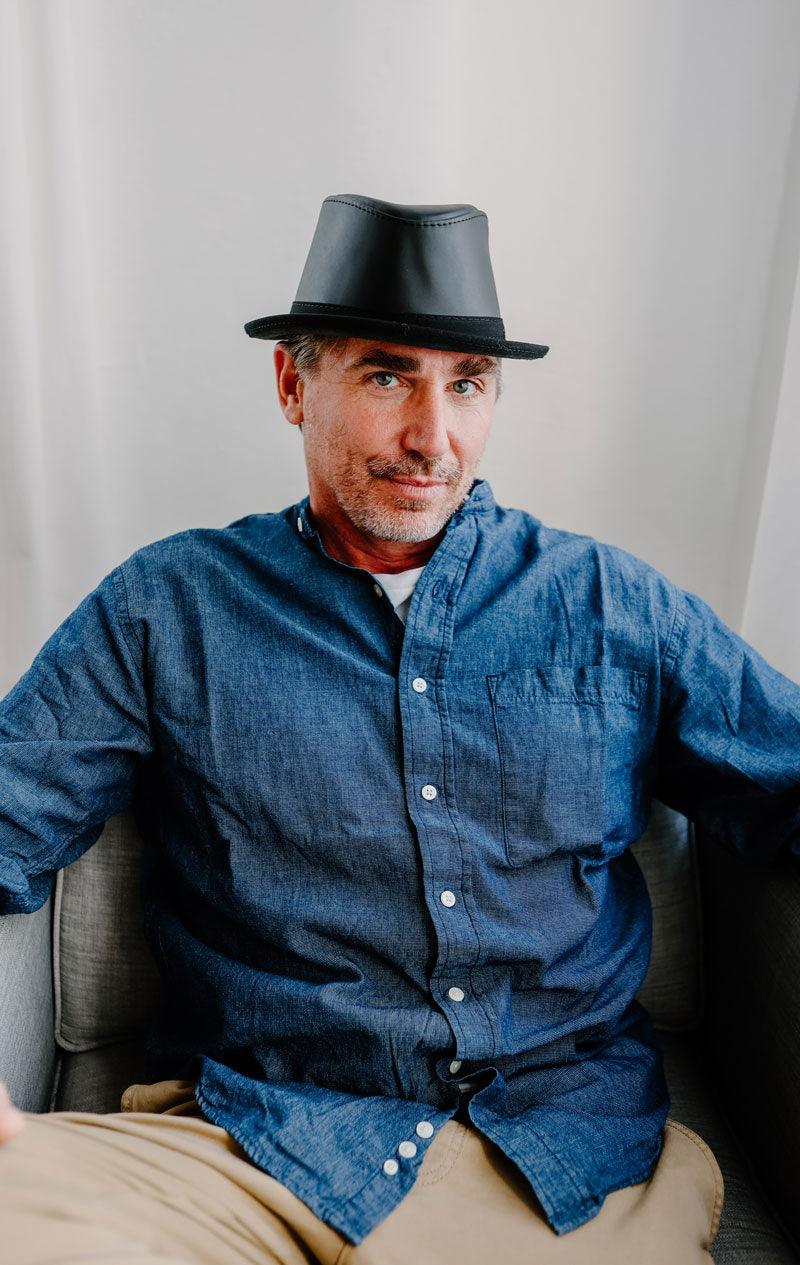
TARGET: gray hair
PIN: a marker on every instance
(307, 350)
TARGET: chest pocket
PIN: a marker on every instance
(567, 741)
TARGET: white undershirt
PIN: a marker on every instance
(399, 588)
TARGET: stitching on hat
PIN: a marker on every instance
(384, 215)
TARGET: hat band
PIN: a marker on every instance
(486, 326)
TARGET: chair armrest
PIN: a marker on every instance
(752, 1038)
(27, 1044)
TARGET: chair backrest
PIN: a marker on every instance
(105, 981)
(674, 987)
(106, 985)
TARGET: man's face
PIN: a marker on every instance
(393, 435)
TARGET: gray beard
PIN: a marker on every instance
(407, 522)
(399, 524)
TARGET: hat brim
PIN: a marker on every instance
(408, 333)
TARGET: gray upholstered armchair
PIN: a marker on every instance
(77, 987)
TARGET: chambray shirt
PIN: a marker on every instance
(380, 861)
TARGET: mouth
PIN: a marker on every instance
(422, 489)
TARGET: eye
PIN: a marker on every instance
(383, 374)
(465, 386)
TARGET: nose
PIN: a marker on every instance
(425, 430)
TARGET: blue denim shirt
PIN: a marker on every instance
(380, 860)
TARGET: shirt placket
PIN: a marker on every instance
(430, 796)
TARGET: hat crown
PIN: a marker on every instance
(416, 275)
(386, 257)
(434, 214)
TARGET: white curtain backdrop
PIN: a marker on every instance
(162, 167)
(771, 619)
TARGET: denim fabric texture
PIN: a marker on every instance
(383, 860)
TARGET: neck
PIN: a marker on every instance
(346, 543)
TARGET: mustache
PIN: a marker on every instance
(416, 468)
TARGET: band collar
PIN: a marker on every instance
(479, 501)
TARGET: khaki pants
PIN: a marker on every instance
(158, 1182)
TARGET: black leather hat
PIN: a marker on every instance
(417, 275)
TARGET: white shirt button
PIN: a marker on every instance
(424, 1129)
(448, 899)
(455, 1066)
(429, 792)
(390, 1167)
(299, 523)
(419, 685)
(378, 589)
(407, 1149)
(455, 994)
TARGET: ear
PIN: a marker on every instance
(290, 386)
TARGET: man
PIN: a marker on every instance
(387, 750)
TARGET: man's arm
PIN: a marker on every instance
(73, 733)
(728, 751)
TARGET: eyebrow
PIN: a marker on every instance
(467, 367)
(380, 359)
(474, 366)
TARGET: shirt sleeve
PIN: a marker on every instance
(73, 732)
(728, 748)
